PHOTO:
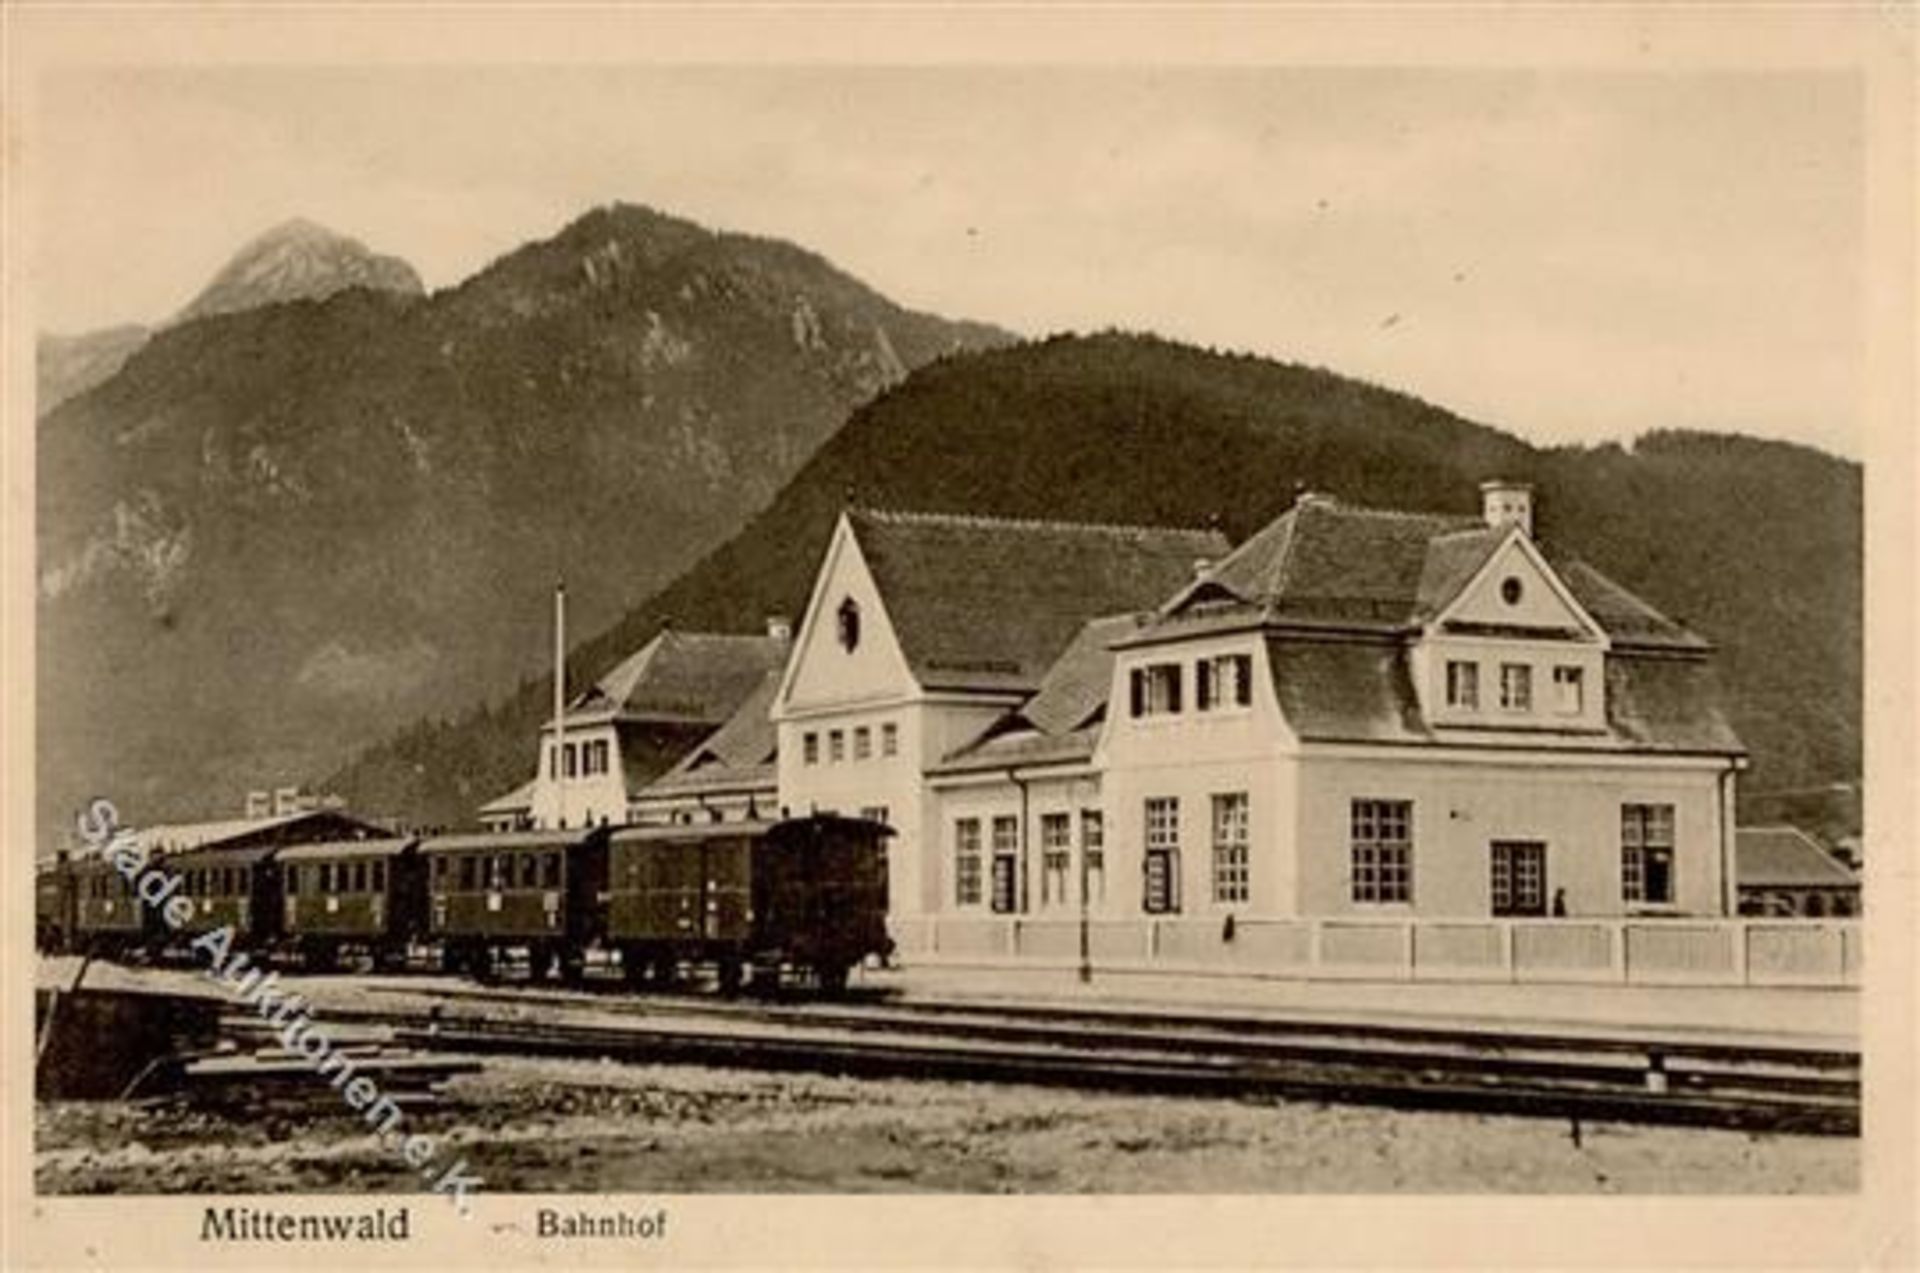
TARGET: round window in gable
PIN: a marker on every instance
(849, 623)
(1511, 590)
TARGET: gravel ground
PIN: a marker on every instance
(546, 1125)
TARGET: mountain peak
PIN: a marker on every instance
(298, 259)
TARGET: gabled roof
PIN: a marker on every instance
(989, 604)
(1061, 722)
(689, 677)
(1786, 856)
(519, 800)
(1074, 691)
(1323, 564)
(740, 754)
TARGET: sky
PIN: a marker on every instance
(1571, 256)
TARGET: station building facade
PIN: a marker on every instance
(1356, 712)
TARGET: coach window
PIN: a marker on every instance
(469, 871)
(440, 871)
(359, 877)
(379, 877)
(551, 865)
(293, 880)
(529, 870)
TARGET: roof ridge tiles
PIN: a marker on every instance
(926, 517)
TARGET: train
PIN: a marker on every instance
(757, 901)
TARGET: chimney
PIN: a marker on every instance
(1507, 504)
(780, 628)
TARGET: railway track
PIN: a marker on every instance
(1579, 1076)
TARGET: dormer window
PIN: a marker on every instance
(1463, 685)
(1225, 681)
(1155, 689)
(1516, 687)
(849, 624)
(1569, 690)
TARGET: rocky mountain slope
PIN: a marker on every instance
(1755, 544)
(280, 532)
(296, 260)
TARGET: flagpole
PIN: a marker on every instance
(559, 702)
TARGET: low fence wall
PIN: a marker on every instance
(1646, 951)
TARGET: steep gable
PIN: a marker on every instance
(1512, 590)
(824, 668)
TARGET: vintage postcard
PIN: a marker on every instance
(1001, 637)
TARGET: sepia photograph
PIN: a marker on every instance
(611, 640)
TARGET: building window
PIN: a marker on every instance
(836, 746)
(1463, 685)
(810, 748)
(1511, 590)
(1093, 850)
(1160, 889)
(1230, 870)
(1518, 877)
(1006, 865)
(1569, 690)
(1226, 681)
(1646, 853)
(553, 760)
(1056, 857)
(848, 620)
(572, 761)
(966, 862)
(1156, 689)
(1382, 832)
(1516, 687)
(862, 743)
(889, 739)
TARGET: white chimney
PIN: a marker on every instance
(1507, 504)
(780, 628)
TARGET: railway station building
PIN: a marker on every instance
(1355, 712)
(1362, 737)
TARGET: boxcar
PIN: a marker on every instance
(531, 891)
(234, 888)
(360, 895)
(806, 893)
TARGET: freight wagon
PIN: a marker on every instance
(807, 894)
